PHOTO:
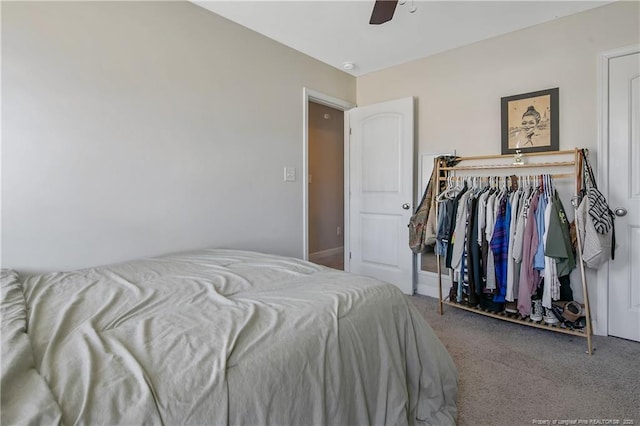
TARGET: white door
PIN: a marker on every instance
(381, 191)
(624, 195)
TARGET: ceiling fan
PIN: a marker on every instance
(383, 10)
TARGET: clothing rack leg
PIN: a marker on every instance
(587, 307)
(577, 158)
(437, 164)
(439, 285)
(585, 290)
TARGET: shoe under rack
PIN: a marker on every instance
(518, 319)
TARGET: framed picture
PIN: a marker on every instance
(530, 122)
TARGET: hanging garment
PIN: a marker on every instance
(474, 253)
(482, 212)
(441, 234)
(460, 231)
(500, 246)
(558, 242)
(522, 220)
(529, 276)
(538, 259)
(490, 218)
(551, 289)
(452, 226)
(512, 271)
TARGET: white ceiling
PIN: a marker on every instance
(335, 32)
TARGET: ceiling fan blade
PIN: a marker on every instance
(383, 11)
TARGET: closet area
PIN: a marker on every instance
(505, 239)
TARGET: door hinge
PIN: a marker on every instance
(349, 255)
(349, 130)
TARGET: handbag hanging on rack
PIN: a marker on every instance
(595, 220)
(418, 221)
(599, 211)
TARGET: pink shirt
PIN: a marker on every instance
(529, 276)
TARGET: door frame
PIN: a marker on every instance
(602, 281)
(344, 106)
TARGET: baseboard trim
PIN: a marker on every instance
(428, 284)
(325, 253)
(427, 290)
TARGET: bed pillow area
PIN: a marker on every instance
(26, 398)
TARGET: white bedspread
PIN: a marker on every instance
(218, 337)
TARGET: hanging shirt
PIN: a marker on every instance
(482, 212)
(474, 254)
(490, 216)
(460, 231)
(511, 264)
(538, 260)
(522, 220)
(441, 243)
(490, 219)
(558, 243)
(452, 226)
(529, 276)
(500, 246)
(551, 290)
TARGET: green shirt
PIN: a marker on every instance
(559, 240)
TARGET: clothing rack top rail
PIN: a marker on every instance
(526, 154)
(509, 166)
(576, 163)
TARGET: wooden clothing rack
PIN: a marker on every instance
(515, 164)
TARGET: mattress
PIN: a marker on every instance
(218, 337)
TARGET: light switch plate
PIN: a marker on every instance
(289, 174)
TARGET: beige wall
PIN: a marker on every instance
(459, 91)
(139, 128)
(326, 167)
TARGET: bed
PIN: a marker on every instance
(218, 337)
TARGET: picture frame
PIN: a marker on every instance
(530, 122)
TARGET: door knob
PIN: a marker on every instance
(407, 206)
(620, 211)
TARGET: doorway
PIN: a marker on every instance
(326, 185)
(311, 98)
(365, 173)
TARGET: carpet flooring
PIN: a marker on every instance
(510, 374)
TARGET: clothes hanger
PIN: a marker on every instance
(448, 190)
(550, 186)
